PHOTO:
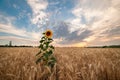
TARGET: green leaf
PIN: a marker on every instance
(41, 46)
(47, 44)
(38, 53)
(50, 39)
(43, 33)
(53, 59)
(51, 62)
(38, 60)
(42, 41)
(51, 47)
(49, 52)
(43, 38)
(46, 55)
(44, 47)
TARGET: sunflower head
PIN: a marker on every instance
(48, 33)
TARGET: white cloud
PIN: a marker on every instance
(11, 29)
(19, 32)
(6, 19)
(54, 3)
(23, 14)
(6, 26)
(15, 6)
(37, 5)
(99, 15)
(38, 8)
(93, 10)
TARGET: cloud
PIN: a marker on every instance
(115, 31)
(16, 6)
(6, 19)
(23, 14)
(6, 26)
(12, 30)
(103, 40)
(38, 7)
(100, 17)
(54, 3)
(19, 32)
(62, 32)
(21, 36)
(91, 22)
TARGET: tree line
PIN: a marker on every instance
(10, 45)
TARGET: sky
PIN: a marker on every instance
(76, 23)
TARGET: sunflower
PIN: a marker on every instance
(48, 33)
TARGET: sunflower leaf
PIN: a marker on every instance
(49, 52)
(43, 33)
(50, 39)
(38, 53)
(47, 44)
(42, 41)
(46, 55)
(43, 38)
(52, 62)
(41, 46)
(38, 60)
(51, 47)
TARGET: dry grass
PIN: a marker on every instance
(73, 64)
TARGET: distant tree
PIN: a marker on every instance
(10, 43)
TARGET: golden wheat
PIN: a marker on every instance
(72, 64)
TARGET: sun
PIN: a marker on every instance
(81, 44)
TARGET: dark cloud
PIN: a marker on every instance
(62, 31)
(114, 31)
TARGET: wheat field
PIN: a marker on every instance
(72, 64)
